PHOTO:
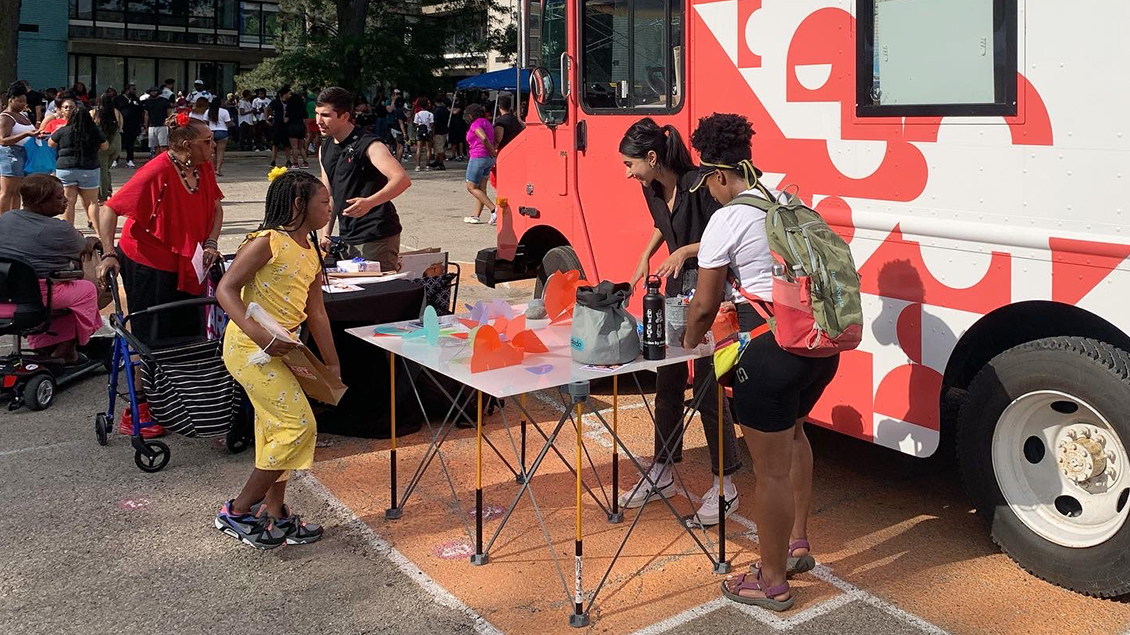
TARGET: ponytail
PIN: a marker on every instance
(646, 136)
(676, 156)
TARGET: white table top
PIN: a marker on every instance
(537, 370)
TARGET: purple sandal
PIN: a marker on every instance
(767, 602)
(796, 564)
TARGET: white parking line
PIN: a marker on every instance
(36, 448)
(406, 566)
(822, 572)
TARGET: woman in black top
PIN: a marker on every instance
(657, 158)
(109, 120)
(77, 167)
(296, 128)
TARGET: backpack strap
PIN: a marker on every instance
(763, 307)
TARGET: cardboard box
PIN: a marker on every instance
(315, 378)
(423, 262)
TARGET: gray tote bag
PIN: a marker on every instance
(604, 332)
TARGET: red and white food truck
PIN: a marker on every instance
(976, 156)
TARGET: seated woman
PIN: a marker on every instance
(50, 245)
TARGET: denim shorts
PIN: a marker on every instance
(12, 159)
(219, 135)
(479, 169)
(84, 179)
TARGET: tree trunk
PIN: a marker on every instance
(351, 16)
(9, 36)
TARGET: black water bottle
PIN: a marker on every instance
(654, 339)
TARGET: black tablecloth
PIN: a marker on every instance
(364, 411)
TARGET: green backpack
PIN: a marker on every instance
(816, 309)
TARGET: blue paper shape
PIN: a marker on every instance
(541, 369)
(431, 325)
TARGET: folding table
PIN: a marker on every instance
(552, 370)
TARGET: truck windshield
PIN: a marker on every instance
(545, 33)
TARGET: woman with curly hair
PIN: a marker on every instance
(15, 131)
(774, 390)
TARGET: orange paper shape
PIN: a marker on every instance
(471, 324)
(510, 327)
(529, 342)
(561, 294)
(489, 352)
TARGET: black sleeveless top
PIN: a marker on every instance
(352, 175)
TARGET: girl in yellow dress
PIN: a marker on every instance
(277, 268)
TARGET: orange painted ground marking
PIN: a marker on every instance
(884, 533)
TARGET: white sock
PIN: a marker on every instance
(728, 485)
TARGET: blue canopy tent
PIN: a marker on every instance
(497, 80)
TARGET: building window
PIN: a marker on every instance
(931, 58)
(632, 54)
(82, 9)
(99, 72)
(250, 24)
(221, 22)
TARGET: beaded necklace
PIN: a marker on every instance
(184, 175)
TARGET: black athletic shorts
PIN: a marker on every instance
(772, 387)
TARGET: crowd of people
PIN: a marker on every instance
(174, 216)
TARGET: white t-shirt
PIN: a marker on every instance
(244, 106)
(197, 94)
(425, 117)
(260, 104)
(735, 238)
(222, 124)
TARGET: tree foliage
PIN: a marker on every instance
(361, 44)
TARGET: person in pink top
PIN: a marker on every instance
(480, 138)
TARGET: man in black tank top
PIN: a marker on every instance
(362, 178)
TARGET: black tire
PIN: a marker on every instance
(237, 440)
(157, 462)
(1092, 371)
(101, 427)
(39, 392)
(555, 260)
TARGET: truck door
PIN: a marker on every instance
(548, 181)
(630, 66)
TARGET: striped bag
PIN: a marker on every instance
(190, 391)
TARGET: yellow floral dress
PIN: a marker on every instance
(285, 430)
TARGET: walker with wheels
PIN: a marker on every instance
(187, 386)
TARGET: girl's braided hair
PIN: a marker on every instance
(281, 196)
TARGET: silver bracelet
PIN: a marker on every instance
(211, 244)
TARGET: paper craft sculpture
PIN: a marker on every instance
(431, 327)
(489, 352)
(510, 328)
(484, 312)
(561, 294)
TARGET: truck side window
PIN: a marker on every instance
(631, 55)
(546, 32)
(930, 58)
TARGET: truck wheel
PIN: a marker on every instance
(556, 259)
(1041, 446)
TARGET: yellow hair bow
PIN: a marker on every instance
(275, 173)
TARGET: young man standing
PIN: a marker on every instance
(259, 108)
(363, 178)
(157, 110)
(439, 140)
(507, 126)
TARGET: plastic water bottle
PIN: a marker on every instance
(654, 338)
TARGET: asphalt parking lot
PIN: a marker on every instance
(93, 545)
